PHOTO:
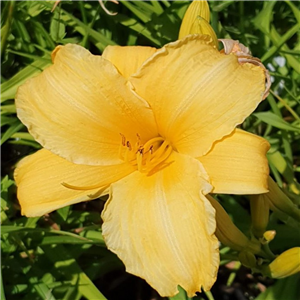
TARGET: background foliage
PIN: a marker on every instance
(62, 255)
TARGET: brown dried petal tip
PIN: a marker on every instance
(244, 56)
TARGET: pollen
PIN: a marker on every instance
(147, 158)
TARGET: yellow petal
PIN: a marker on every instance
(78, 107)
(163, 228)
(198, 95)
(127, 59)
(238, 165)
(40, 178)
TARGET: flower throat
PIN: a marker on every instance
(148, 158)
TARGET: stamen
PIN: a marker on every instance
(120, 152)
(162, 157)
(139, 159)
(161, 149)
(148, 157)
(152, 141)
(128, 145)
(151, 149)
(123, 139)
(126, 154)
(138, 140)
(158, 158)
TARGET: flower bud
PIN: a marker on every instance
(201, 26)
(280, 202)
(259, 215)
(196, 21)
(286, 264)
(269, 235)
(228, 234)
(247, 259)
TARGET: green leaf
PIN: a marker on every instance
(64, 212)
(24, 136)
(34, 8)
(6, 28)
(137, 27)
(2, 288)
(275, 121)
(43, 291)
(8, 109)
(139, 10)
(222, 6)
(52, 240)
(31, 222)
(11, 228)
(295, 10)
(9, 88)
(279, 42)
(263, 20)
(93, 235)
(283, 289)
(7, 120)
(181, 295)
(57, 27)
(281, 164)
(157, 7)
(64, 262)
(6, 183)
(14, 127)
(72, 294)
(101, 40)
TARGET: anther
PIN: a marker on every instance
(139, 159)
(138, 141)
(123, 139)
(151, 149)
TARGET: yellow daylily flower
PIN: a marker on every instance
(156, 130)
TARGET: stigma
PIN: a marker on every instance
(147, 158)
